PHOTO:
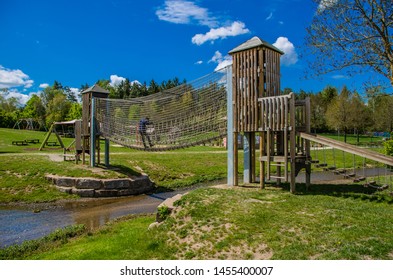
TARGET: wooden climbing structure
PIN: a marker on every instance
(259, 109)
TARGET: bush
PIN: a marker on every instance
(389, 147)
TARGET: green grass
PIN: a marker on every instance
(22, 170)
(330, 222)
(324, 222)
(352, 138)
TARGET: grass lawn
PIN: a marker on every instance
(242, 223)
(325, 222)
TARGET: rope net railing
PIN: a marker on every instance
(187, 115)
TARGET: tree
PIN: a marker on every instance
(338, 113)
(75, 112)
(352, 34)
(359, 115)
(34, 108)
(58, 108)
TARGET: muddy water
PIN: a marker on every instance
(18, 224)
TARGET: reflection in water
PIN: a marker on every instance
(18, 224)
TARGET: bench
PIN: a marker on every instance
(20, 143)
(33, 141)
(51, 143)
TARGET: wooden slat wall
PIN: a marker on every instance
(256, 74)
(274, 113)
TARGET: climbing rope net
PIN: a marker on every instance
(187, 115)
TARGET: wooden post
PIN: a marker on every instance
(92, 134)
(308, 130)
(292, 143)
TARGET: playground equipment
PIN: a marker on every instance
(242, 100)
(30, 124)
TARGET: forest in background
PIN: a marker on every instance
(332, 109)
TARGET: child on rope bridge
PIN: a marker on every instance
(143, 131)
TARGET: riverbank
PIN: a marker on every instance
(218, 222)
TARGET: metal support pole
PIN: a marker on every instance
(247, 149)
(93, 133)
(106, 153)
(230, 135)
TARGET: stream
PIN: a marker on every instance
(21, 223)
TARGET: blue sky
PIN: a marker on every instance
(80, 41)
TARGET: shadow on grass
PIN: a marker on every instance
(354, 191)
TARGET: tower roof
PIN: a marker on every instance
(96, 88)
(253, 43)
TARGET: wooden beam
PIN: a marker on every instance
(348, 148)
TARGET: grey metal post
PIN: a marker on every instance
(106, 152)
(230, 136)
(93, 133)
(247, 149)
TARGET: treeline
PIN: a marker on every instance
(127, 89)
(332, 109)
(347, 111)
(60, 103)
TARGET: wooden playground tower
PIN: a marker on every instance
(257, 108)
(90, 132)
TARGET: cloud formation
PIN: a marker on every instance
(222, 61)
(44, 85)
(20, 97)
(326, 4)
(290, 56)
(185, 12)
(236, 28)
(14, 78)
(116, 80)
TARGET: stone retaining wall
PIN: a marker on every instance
(91, 187)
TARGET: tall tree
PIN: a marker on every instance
(354, 35)
(34, 108)
(359, 115)
(338, 113)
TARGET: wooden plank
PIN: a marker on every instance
(255, 90)
(234, 91)
(292, 144)
(261, 74)
(362, 152)
(248, 92)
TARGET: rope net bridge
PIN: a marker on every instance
(187, 115)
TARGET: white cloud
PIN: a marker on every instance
(290, 55)
(185, 12)
(236, 28)
(326, 4)
(116, 80)
(44, 85)
(270, 16)
(14, 78)
(199, 62)
(22, 98)
(340, 77)
(222, 61)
